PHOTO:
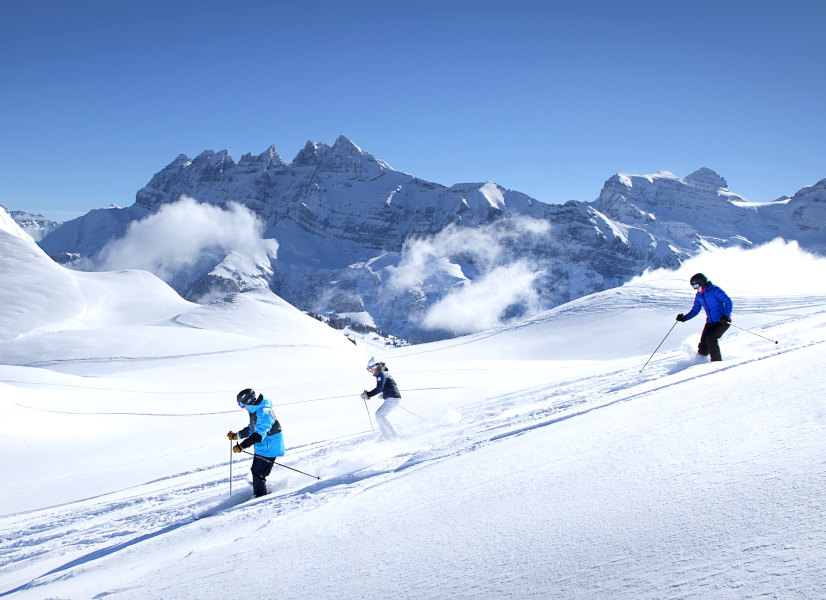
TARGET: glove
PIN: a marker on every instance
(232, 435)
(725, 319)
(237, 448)
(364, 395)
(681, 318)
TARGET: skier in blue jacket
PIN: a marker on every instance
(264, 432)
(718, 314)
(386, 386)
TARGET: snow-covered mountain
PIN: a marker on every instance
(700, 210)
(37, 226)
(359, 239)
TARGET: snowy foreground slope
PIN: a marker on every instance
(534, 461)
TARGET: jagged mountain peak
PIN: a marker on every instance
(181, 161)
(309, 155)
(707, 179)
(345, 144)
(344, 156)
(271, 156)
(214, 158)
(268, 158)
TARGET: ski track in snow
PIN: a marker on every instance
(49, 542)
(143, 359)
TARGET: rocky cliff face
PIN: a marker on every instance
(357, 238)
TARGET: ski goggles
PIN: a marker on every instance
(244, 401)
(696, 286)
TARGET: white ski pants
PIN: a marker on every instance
(381, 416)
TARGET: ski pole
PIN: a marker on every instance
(751, 332)
(369, 418)
(273, 461)
(230, 468)
(660, 344)
(411, 412)
(296, 470)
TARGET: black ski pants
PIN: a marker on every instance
(708, 340)
(261, 467)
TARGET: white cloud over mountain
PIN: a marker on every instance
(184, 235)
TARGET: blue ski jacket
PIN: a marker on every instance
(264, 430)
(714, 301)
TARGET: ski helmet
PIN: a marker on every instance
(372, 364)
(246, 397)
(699, 281)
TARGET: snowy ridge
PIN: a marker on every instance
(36, 226)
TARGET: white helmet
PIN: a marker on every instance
(372, 364)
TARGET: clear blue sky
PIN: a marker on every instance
(549, 98)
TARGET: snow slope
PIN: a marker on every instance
(536, 461)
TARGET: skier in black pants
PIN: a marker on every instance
(718, 315)
(263, 433)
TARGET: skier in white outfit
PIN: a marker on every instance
(386, 386)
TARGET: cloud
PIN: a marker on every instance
(483, 247)
(775, 267)
(484, 303)
(483, 264)
(184, 236)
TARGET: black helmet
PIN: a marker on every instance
(246, 397)
(699, 281)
